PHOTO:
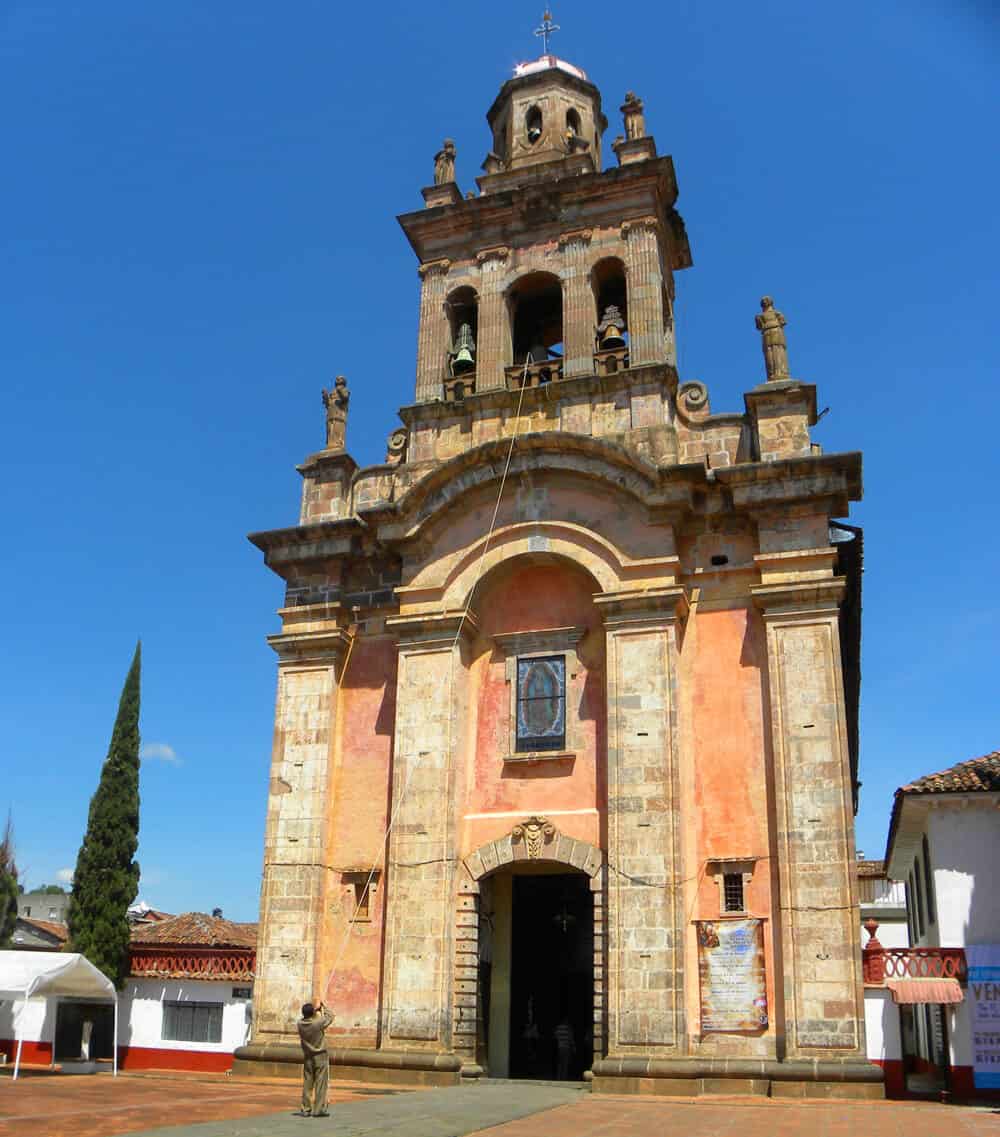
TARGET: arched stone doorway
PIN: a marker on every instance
(531, 905)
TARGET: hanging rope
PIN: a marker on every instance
(394, 814)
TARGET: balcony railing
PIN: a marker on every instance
(879, 963)
(534, 375)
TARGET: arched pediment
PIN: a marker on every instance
(547, 452)
(538, 540)
(534, 839)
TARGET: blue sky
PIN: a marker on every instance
(198, 233)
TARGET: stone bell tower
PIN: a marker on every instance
(580, 656)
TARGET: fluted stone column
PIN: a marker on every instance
(433, 332)
(420, 877)
(647, 338)
(295, 860)
(578, 305)
(823, 997)
(645, 973)
(494, 330)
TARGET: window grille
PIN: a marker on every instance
(732, 888)
(192, 1022)
(541, 703)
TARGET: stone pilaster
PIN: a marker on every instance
(418, 986)
(578, 305)
(295, 860)
(821, 965)
(493, 348)
(647, 334)
(645, 961)
(433, 332)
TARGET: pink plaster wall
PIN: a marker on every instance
(730, 815)
(357, 818)
(534, 597)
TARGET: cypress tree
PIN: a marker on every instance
(8, 886)
(107, 875)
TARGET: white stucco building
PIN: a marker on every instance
(944, 845)
(185, 1006)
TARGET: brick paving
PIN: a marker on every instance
(180, 1105)
(54, 1105)
(736, 1117)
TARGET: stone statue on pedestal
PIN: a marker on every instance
(635, 120)
(771, 324)
(336, 402)
(444, 163)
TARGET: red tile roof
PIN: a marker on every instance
(195, 929)
(976, 774)
(60, 931)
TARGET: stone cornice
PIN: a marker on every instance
(795, 600)
(600, 199)
(833, 478)
(318, 541)
(313, 647)
(432, 629)
(649, 605)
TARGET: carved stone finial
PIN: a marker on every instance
(771, 323)
(492, 163)
(336, 402)
(635, 120)
(395, 450)
(444, 163)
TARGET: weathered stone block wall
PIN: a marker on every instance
(645, 899)
(294, 853)
(815, 831)
(431, 687)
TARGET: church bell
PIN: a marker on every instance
(610, 331)
(464, 359)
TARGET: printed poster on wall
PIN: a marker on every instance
(731, 968)
(983, 993)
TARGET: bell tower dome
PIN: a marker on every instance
(549, 112)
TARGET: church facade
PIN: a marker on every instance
(565, 752)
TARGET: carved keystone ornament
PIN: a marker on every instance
(535, 832)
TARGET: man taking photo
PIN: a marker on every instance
(315, 1060)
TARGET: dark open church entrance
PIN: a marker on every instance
(538, 988)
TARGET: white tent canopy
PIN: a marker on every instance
(37, 975)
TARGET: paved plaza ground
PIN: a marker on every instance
(180, 1105)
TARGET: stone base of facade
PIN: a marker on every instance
(694, 1077)
(385, 1067)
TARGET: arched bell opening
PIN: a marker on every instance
(611, 338)
(535, 306)
(533, 124)
(462, 308)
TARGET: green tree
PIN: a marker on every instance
(8, 886)
(107, 875)
(50, 890)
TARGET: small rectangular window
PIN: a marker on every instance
(192, 1022)
(541, 703)
(362, 899)
(732, 887)
(242, 992)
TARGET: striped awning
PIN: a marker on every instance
(925, 990)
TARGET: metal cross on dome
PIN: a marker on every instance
(547, 28)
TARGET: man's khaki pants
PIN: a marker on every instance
(315, 1080)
